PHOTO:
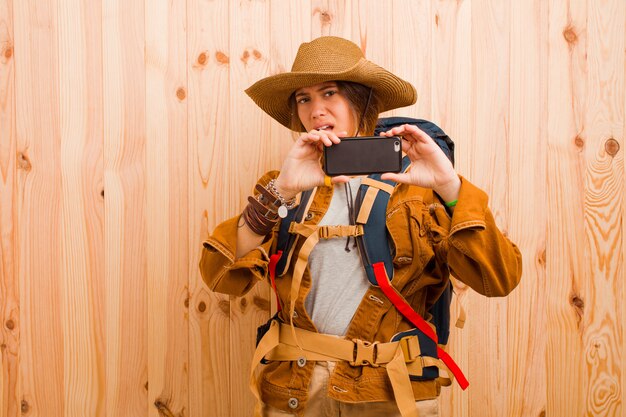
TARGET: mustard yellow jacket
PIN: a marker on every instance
(429, 245)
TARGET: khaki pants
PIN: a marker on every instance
(319, 405)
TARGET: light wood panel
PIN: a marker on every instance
(604, 176)
(81, 235)
(565, 247)
(126, 137)
(9, 290)
(489, 362)
(413, 58)
(452, 107)
(124, 192)
(527, 156)
(250, 61)
(167, 208)
(208, 63)
(41, 382)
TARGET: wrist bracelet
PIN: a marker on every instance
(284, 204)
(451, 203)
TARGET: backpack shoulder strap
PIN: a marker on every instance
(371, 207)
(286, 240)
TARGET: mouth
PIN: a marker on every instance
(324, 127)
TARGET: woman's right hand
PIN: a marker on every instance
(301, 168)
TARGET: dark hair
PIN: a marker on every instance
(357, 95)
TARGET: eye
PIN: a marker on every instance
(329, 93)
(302, 100)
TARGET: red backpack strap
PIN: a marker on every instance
(407, 311)
(272, 269)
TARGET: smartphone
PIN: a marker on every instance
(363, 155)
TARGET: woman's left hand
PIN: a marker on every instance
(430, 167)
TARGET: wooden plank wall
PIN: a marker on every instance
(125, 137)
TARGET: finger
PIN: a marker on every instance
(325, 137)
(339, 179)
(419, 133)
(401, 178)
(334, 138)
(316, 136)
(309, 137)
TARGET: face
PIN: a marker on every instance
(323, 107)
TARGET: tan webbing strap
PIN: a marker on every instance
(378, 184)
(330, 232)
(401, 385)
(298, 273)
(266, 345)
(366, 205)
(305, 230)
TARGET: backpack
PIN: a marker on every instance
(375, 251)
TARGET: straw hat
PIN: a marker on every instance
(329, 58)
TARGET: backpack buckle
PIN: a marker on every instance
(365, 353)
(410, 348)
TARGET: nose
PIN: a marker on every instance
(317, 108)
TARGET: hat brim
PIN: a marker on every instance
(272, 93)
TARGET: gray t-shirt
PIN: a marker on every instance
(338, 279)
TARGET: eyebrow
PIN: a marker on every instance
(322, 88)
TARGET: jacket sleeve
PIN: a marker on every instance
(218, 266)
(478, 253)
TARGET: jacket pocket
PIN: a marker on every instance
(400, 228)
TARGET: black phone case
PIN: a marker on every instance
(363, 155)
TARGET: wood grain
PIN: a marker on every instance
(250, 127)
(126, 137)
(124, 192)
(527, 154)
(488, 351)
(9, 289)
(451, 100)
(331, 18)
(41, 382)
(167, 208)
(208, 63)
(604, 177)
(82, 206)
(412, 52)
(565, 248)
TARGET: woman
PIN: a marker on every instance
(334, 350)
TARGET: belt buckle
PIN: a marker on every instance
(365, 353)
(409, 351)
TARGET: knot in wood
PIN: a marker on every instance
(611, 146)
(221, 57)
(579, 142)
(181, 93)
(570, 35)
(325, 17)
(202, 58)
(202, 306)
(261, 303)
(23, 162)
(8, 52)
(10, 324)
(25, 407)
(224, 306)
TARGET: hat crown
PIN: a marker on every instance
(328, 54)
